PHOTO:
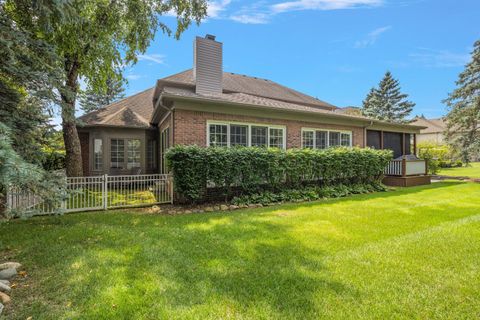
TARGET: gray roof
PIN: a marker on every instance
(432, 125)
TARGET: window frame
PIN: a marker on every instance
(125, 162)
(102, 154)
(249, 125)
(314, 130)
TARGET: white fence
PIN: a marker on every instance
(99, 193)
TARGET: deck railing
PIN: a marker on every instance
(98, 193)
(404, 168)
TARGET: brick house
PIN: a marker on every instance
(209, 107)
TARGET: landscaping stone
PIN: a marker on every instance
(8, 273)
(6, 282)
(4, 298)
(234, 207)
(252, 205)
(243, 206)
(209, 209)
(4, 288)
(10, 265)
(223, 207)
(187, 211)
(1, 309)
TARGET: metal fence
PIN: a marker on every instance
(98, 193)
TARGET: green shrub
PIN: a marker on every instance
(252, 170)
(437, 156)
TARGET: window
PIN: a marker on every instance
(259, 136)
(218, 135)
(276, 138)
(242, 134)
(334, 139)
(322, 139)
(97, 154)
(133, 153)
(151, 154)
(117, 153)
(307, 139)
(238, 135)
(164, 145)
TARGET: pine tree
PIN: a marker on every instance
(463, 118)
(91, 99)
(387, 102)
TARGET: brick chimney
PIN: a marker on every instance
(207, 65)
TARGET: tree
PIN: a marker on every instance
(387, 102)
(105, 34)
(463, 118)
(91, 99)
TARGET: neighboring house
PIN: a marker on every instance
(208, 107)
(433, 132)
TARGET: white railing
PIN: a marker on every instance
(404, 167)
(98, 193)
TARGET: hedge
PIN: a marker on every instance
(251, 170)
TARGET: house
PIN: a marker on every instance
(433, 131)
(209, 107)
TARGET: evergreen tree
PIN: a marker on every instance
(91, 99)
(463, 118)
(387, 102)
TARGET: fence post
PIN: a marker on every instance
(170, 178)
(105, 192)
(404, 167)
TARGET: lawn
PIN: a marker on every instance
(472, 171)
(410, 253)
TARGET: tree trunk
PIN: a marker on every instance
(73, 158)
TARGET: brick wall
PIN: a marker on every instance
(190, 127)
(85, 148)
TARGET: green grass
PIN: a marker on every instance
(472, 171)
(410, 253)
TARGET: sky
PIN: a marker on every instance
(335, 50)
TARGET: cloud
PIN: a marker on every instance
(215, 8)
(157, 58)
(251, 18)
(440, 58)
(372, 37)
(322, 5)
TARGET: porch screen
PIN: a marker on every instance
(373, 139)
(393, 141)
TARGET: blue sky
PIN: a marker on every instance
(335, 50)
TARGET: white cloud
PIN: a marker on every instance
(322, 5)
(251, 18)
(215, 8)
(157, 58)
(440, 58)
(372, 37)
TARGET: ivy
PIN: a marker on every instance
(251, 170)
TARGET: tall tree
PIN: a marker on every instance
(107, 34)
(91, 99)
(387, 102)
(463, 118)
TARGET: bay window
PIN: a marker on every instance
(97, 154)
(117, 153)
(243, 134)
(133, 153)
(125, 153)
(322, 139)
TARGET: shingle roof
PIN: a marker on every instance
(233, 82)
(134, 111)
(432, 125)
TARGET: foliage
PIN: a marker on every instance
(387, 102)
(463, 118)
(308, 193)
(437, 156)
(91, 99)
(253, 169)
(53, 151)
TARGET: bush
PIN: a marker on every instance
(437, 156)
(308, 194)
(251, 170)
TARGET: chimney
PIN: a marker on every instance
(207, 65)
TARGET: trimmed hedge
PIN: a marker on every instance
(252, 170)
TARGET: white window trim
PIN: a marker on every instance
(249, 131)
(350, 133)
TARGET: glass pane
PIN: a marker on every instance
(307, 139)
(238, 135)
(151, 152)
(133, 153)
(117, 152)
(276, 138)
(345, 139)
(218, 135)
(334, 139)
(321, 139)
(259, 136)
(97, 154)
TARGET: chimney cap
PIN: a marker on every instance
(210, 37)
